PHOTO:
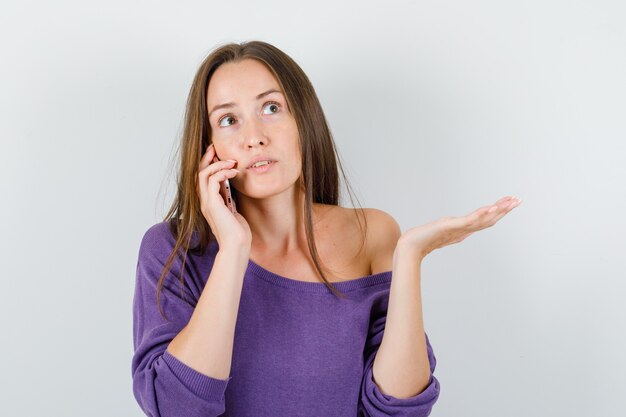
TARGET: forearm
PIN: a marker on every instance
(206, 342)
(401, 367)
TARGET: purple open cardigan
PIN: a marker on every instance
(298, 350)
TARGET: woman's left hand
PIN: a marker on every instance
(448, 230)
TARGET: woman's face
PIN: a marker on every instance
(253, 124)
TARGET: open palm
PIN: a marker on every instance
(448, 230)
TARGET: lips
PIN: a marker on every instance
(259, 159)
(261, 168)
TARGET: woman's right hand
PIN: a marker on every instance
(229, 229)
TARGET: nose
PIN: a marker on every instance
(254, 133)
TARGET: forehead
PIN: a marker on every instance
(246, 78)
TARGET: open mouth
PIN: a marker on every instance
(263, 167)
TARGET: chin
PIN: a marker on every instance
(260, 191)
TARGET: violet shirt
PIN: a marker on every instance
(299, 350)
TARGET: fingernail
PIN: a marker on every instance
(231, 160)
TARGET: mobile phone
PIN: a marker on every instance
(226, 194)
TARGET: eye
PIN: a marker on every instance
(269, 103)
(219, 122)
(272, 103)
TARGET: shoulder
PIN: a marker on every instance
(157, 235)
(383, 232)
(162, 238)
(156, 251)
(158, 242)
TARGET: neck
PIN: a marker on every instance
(277, 223)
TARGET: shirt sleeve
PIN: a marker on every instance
(163, 385)
(374, 403)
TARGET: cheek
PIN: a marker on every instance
(222, 150)
(297, 150)
(297, 163)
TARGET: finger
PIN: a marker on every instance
(503, 202)
(514, 203)
(498, 207)
(210, 158)
(210, 185)
(479, 215)
(480, 218)
(503, 199)
(482, 213)
(217, 166)
(507, 209)
(207, 157)
(219, 177)
(507, 206)
(487, 215)
(212, 170)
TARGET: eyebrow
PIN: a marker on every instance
(231, 104)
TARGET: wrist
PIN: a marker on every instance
(235, 249)
(410, 250)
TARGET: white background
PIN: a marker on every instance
(437, 108)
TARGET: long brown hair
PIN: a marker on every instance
(320, 160)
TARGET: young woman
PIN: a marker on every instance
(279, 302)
